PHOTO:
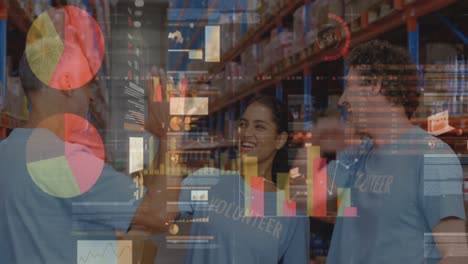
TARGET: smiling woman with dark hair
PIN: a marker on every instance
(277, 113)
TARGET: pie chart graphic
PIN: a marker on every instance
(69, 164)
(65, 47)
(176, 123)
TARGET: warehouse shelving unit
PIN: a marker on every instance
(405, 15)
(303, 62)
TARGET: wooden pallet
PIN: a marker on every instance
(380, 10)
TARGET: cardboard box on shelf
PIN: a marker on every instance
(284, 38)
(226, 43)
(249, 63)
(219, 84)
(436, 52)
(253, 5)
(322, 8)
(377, 9)
(282, 45)
(307, 21)
(436, 79)
(354, 9)
(236, 34)
(311, 37)
(337, 8)
(249, 54)
(231, 31)
(253, 14)
(386, 8)
(262, 54)
(271, 7)
(233, 77)
(227, 129)
(299, 21)
(261, 12)
(252, 20)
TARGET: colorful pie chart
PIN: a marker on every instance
(65, 47)
(68, 164)
(176, 123)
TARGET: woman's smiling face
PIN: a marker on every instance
(258, 133)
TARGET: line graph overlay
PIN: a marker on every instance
(104, 252)
(346, 166)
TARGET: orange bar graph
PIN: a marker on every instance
(344, 200)
(282, 194)
(249, 171)
(320, 187)
(257, 194)
(289, 208)
(313, 153)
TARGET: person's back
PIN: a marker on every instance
(30, 216)
(37, 227)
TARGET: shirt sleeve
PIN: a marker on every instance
(442, 187)
(297, 250)
(110, 202)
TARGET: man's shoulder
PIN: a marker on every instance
(427, 144)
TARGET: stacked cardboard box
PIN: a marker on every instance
(218, 83)
(231, 32)
(252, 14)
(281, 45)
(354, 9)
(263, 56)
(310, 19)
(233, 77)
(271, 7)
(225, 38)
(299, 28)
(249, 64)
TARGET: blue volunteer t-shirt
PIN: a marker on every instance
(36, 227)
(237, 238)
(401, 192)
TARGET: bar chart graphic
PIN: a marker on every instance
(298, 194)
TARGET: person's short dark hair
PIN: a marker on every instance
(380, 59)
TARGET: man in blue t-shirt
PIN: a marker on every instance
(45, 216)
(400, 188)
